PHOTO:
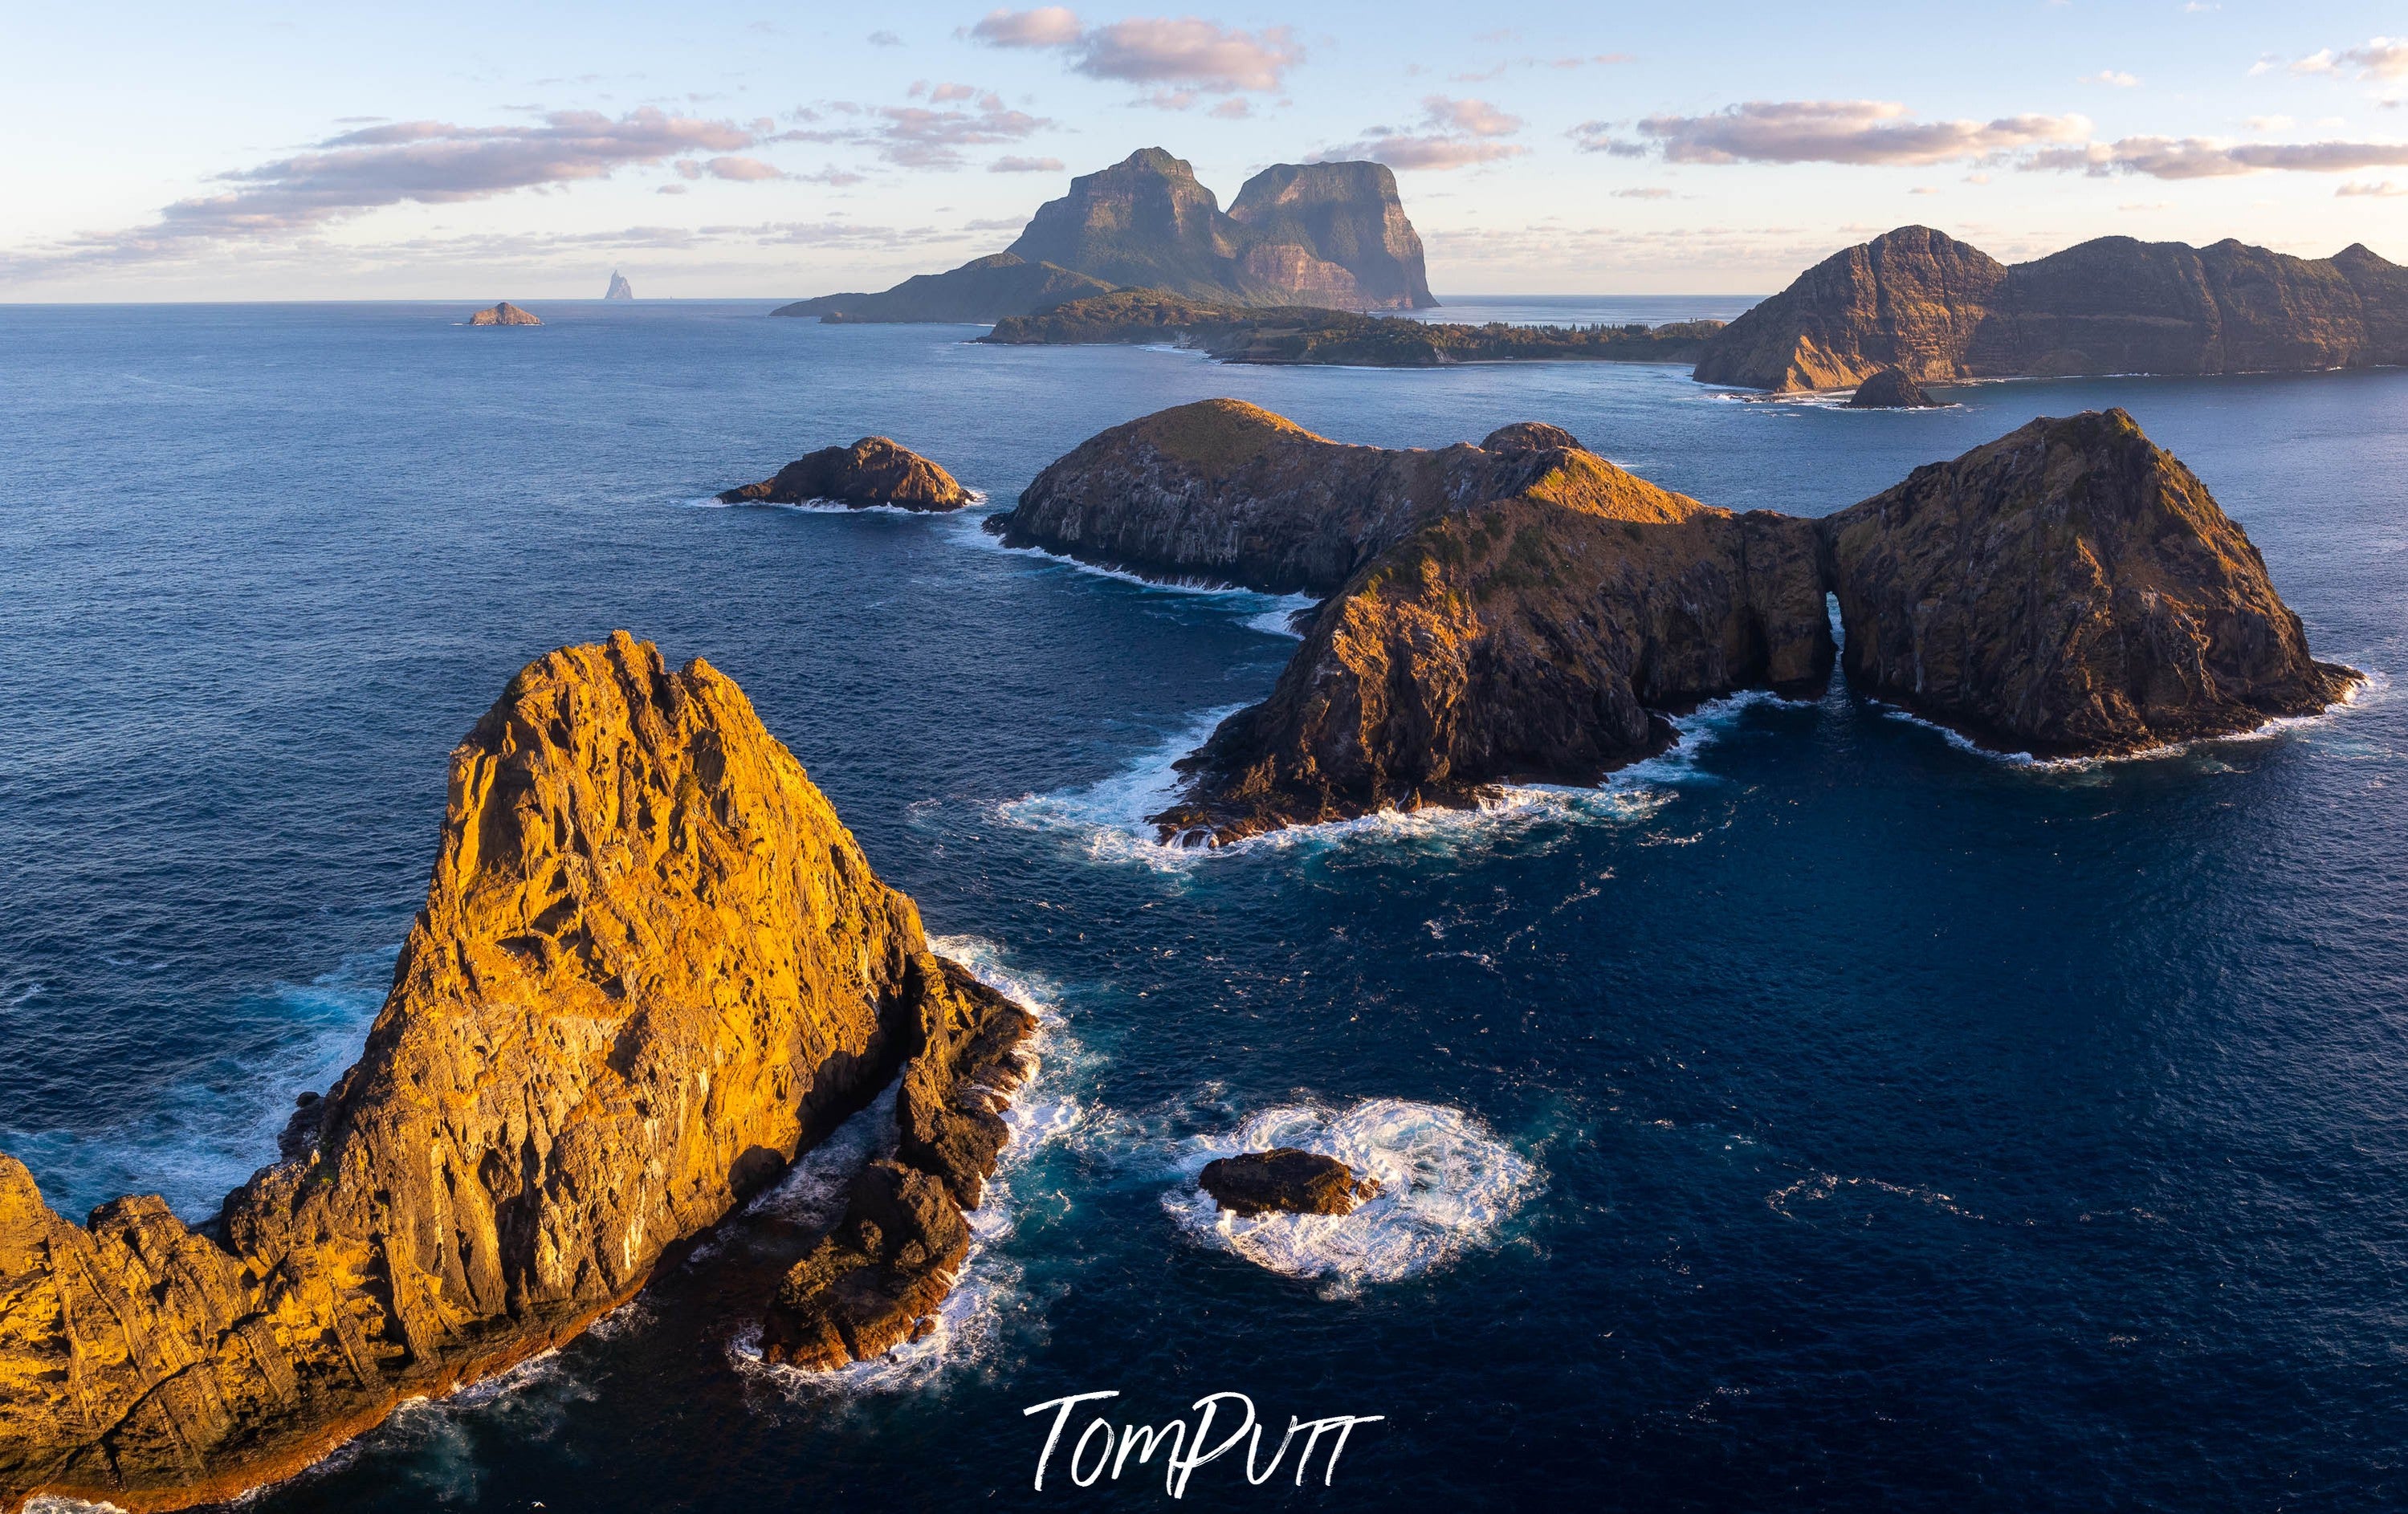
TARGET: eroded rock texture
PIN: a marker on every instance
(505, 314)
(872, 471)
(876, 1280)
(651, 964)
(2069, 589)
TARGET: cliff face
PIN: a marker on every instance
(1523, 610)
(2069, 588)
(1344, 214)
(1532, 638)
(1331, 235)
(620, 289)
(1939, 309)
(651, 964)
(872, 471)
(1908, 300)
(984, 289)
(1224, 490)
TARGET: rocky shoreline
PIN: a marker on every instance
(1524, 610)
(653, 967)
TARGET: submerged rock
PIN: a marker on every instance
(872, 471)
(504, 314)
(2071, 589)
(1891, 390)
(652, 966)
(1286, 1180)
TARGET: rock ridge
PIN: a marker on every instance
(651, 965)
(874, 470)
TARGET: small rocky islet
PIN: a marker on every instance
(1525, 610)
(874, 470)
(651, 967)
(504, 314)
(1284, 1181)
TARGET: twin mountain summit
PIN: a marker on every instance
(1141, 251)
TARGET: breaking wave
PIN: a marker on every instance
(1447, 1185)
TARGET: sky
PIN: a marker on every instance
(244, 151)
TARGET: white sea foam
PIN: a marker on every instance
(2371, 689)
(1109, 817)
(969, 1321)
(1271, 614)
(1447, 1185)
(210, 1131)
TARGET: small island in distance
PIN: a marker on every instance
(620, 289)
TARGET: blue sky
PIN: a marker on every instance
(248, 151)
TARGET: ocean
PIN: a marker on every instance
(1822, 1116)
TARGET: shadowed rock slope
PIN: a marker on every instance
(2069, 590)
(872, 471)
(1923, 301)
(651, 965)
(1523, 610)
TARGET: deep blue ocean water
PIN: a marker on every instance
(1823, 1116)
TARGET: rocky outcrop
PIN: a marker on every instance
(653, 965)
(2069, 590)
(1284, 1181)
(982, 289)
(1345, 216)
(1523, 610)
(1538, 635)
(1891, 390)
(872, 471)
(1326, 235)
(504, 314)
(1300, 334)
(1939, 309)
(620, 289)
(1227, 492)
(876, 1280)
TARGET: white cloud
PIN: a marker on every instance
(918, 136)
(2378, 57)
(1025, 165)
(1451, 134)
(2115, 77)
(2385, 190)
(1871, 132)
(2201, 157)
(1183, 54)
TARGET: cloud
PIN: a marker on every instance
(2386, 190)
(1183, 53)
(2268, 124)
(1232, 108)
(884, 40)
(414, 162)
(1025, 165)
(942, 93)
(2378, 57)
(2201, 157)
(1051, 26)
(2115, 77)
(1642, 194)
(1867, 132)
(1497, 70)
(1452, 133)
(741, 170)
(918, 136)
(1598, 137)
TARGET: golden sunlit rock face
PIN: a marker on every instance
(651, 965)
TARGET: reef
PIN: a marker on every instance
(651, 966)
(1938, 308)
(872, 471)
